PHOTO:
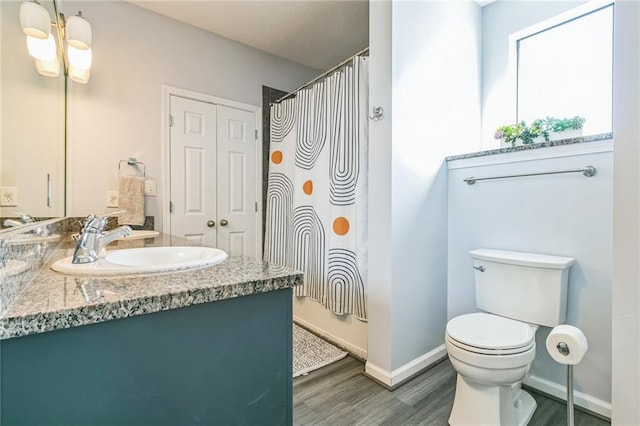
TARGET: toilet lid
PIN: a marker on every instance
(486, 331)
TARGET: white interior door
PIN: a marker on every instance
(238, 182)
(214, 175)
(193, 170)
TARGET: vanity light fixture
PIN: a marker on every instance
(79, 37)
(74, 38)
(35, 20)
(79, 33)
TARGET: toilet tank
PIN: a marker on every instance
(528, 287)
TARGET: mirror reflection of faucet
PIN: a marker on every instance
(93, 239)
(11, 223)
(97, 291)
(26, 219)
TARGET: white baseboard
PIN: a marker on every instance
(580, 399)
(401, 374)
(357, 351)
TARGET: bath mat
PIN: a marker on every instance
(311, 352)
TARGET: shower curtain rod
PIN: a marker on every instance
(324, 74)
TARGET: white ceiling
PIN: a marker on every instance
(315, 33)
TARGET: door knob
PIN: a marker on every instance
(211, 223)
(224, 222)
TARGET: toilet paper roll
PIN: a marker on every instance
(567, 344)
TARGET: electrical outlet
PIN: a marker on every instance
(112, 199)
(150, 189)
(8, 196)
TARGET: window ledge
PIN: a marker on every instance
(561, 148)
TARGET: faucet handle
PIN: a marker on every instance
(93, 223)
(87, 220)
(98, 221)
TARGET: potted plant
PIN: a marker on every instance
(546, 129)
(518, 132)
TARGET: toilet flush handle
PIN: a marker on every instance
(480, 268)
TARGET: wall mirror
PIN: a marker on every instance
(32, 126)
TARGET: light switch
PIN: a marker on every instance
(150, 189)
(8, 196)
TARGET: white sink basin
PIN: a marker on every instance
(140, 234)
(144, 260)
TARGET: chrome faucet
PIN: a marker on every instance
(93, 240)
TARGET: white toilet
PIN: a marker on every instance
(492, 351)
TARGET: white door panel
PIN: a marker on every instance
(193, 170)
(237, 181)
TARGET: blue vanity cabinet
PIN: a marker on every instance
(227, 362)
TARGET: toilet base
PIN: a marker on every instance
(477, 404)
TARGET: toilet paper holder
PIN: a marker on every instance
(563, 348)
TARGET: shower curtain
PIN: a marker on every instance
(317, 191)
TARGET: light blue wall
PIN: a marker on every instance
(574, 227)
(379, 274)
(569, 215)
(436, 98)
(425, 73)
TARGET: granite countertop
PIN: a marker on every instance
(53, 301)
(570, 141)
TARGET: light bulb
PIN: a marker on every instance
(35, 20)
(80, 59)
(79, 75)
(44, 50)
(48, 68)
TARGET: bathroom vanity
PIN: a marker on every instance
(211, 345)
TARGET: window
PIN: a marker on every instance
(564, 68)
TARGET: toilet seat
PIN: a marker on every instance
(484, 351)
(489, 334)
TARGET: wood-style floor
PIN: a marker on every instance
(339, 394)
